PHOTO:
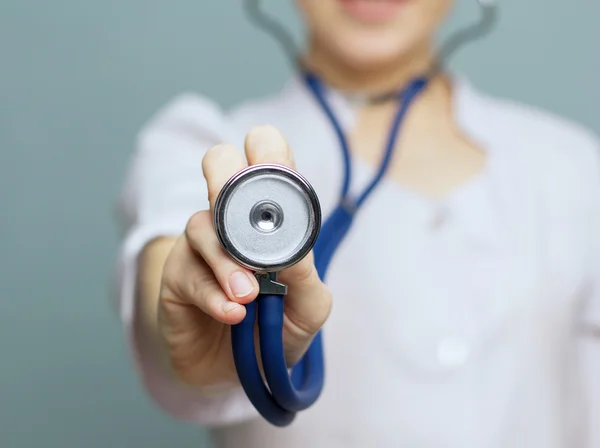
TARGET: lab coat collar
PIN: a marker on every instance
(482, 212)
(465, 101)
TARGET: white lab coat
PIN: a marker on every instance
(456, 323)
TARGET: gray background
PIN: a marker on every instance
(77, 80)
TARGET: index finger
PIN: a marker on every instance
(220, 163)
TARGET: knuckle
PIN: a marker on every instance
(197, 225)
(205, 292)
(212, 195)
(169, 273)
(208, 160)
(212, 298)
(299, 329)
(303, 323)
(215, 155)
(303, 272)
(304, 327)
(171, 270)
(197, 289)
(323, 310)
(327, 305)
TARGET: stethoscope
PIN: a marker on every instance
(268, 217)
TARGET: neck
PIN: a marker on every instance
(377, 80)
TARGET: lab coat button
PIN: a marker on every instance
(440, 217)
(452, 353)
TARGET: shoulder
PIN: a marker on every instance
(187, 116)
(197, 116)
(554, 147)
(533, 124)
(276, 108)
(541, 131)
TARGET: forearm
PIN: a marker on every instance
(591, 392)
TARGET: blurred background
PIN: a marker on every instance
(77, 81)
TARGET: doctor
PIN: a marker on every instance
(461, 309)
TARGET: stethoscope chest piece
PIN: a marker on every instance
(267, 217)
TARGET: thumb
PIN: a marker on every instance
(307, 304)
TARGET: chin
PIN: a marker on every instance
(370, 51)
(367, 34)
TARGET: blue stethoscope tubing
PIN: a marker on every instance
(287, 394)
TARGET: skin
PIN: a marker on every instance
(187, 297)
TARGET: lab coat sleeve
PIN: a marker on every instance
(164, 186)
(590, 324)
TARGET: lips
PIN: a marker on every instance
(372, 10)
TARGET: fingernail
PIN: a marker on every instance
(230, 306)
(240, 284)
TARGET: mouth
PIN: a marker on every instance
(372, 11)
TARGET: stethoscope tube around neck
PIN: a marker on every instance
(459, 39)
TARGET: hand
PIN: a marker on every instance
(203, 291)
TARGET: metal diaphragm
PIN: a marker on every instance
(267, 217)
